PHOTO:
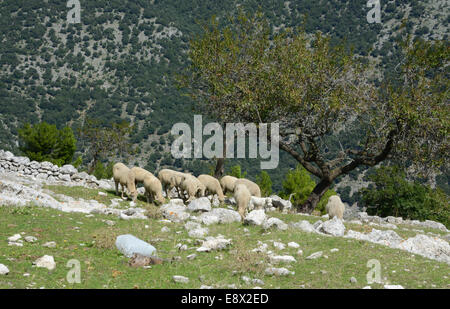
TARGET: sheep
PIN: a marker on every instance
(166, 176)
(125, 177)
(335, 207)
(190, 184)
(153, 188)
(140, 174)
(251, 186)
(242, 196)
(227, 183)
(212, 186)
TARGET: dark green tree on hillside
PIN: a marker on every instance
(44, 142)
(320, 93)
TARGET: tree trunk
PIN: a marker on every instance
(313, 199)
(92, 165)
(220, 165)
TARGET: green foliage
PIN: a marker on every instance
(298, 185)
(236, 172)
(77, 163)
(102, 172)
(393, 195)
(44, 142)
(265, 183)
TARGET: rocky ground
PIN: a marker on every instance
(24, 183)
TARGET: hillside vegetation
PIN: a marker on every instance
(119, 63)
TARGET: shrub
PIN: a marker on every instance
(265, 183)
(298, 185)
(236, 172)
(44, 142)
(393, 195)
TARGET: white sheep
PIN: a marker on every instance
(242, 196)
(167, 178)
(227, 183)
(251, 186)
(193, 187)
(140, 174)
(212, 186)
(335, 207)
(153, 189)
(125, 177)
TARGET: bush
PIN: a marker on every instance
(393, 195)
(265, 183)
(298, 185)
(44, 142)
(236, 172)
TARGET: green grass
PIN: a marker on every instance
(91, 241)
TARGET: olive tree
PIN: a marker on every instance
(332, 116)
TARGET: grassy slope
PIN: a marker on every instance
(91, 241)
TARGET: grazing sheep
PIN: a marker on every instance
(242, 196)
(153, 189)
(212, 186)
(125, 177)
(251, 186)
(335, 207)
(193, 187)
(140, 174)
(167, 177)
(227, 184)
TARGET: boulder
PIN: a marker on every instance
(274, 222)
(68, 169)
(222, 214)
(174, 212)
(255, 217)
(304, 226)
(46, 261)
(333, 227)
(129, 245)
(200, 204)
(279, 203)
(429, 247)
(200, 232)
(214, 243)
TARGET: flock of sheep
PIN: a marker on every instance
(188, 186)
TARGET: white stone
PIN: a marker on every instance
(267, 224)
(14, 238)
(315, 255)
(279, 245)
(275, 259)
(198, 232)
(180, 279)
(199, 204)
(293, 244)
(3, 269)
(304, 226)
(50, 244)
(30, 239)
(333, 227)
(255, 217)
(46, 261)
(273, 271)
